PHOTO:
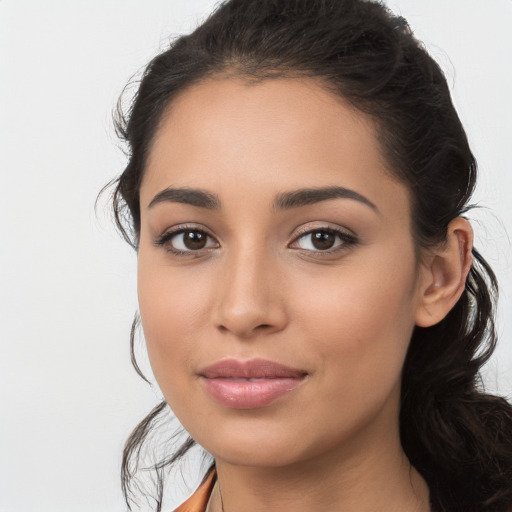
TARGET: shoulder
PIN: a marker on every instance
(199, 500)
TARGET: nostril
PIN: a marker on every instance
(260, 327)
(244, 318)
(247, 331)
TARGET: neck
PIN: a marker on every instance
(376, 478)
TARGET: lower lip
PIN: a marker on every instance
(249, 394)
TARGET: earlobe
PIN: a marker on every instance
(444, 275)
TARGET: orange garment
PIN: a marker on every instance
(198, 501)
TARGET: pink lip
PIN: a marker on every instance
(249, 384)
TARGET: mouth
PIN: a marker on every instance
(249, 384)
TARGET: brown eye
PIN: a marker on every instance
(186, 241)
(194, 240)
(322, 240)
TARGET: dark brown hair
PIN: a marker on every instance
(458, 437)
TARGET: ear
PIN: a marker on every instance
(443, 275)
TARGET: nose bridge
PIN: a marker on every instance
(249, 298)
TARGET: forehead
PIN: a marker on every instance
(231, 135)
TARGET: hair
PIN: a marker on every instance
(456, 436)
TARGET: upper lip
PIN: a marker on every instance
(251, 369)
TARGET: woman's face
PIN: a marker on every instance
(278, 284)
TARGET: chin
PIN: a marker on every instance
(269, 456)
(253, 445)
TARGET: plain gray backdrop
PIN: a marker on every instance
(69, 396)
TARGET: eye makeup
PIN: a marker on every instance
(192, 240)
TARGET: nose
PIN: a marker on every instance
(251, 296)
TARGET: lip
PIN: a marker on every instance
(249, 384)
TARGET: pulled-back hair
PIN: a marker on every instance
(456, 436)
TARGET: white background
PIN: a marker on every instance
(68, 394)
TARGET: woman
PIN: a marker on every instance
(313, 307)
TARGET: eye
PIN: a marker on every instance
(186, 240)
(323, 240)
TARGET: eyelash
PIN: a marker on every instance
(347, 240)
(165, 238)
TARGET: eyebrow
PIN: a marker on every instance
(192, 196)
(283, 201)
(307, 196)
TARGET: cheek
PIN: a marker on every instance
(173, 307)
(360, 321)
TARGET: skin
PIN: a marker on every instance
(261, 289)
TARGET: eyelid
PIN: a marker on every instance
(347, 236)
(327, 226)
(169, 233)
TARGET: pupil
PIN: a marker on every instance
(194, 240)
(323, 240)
